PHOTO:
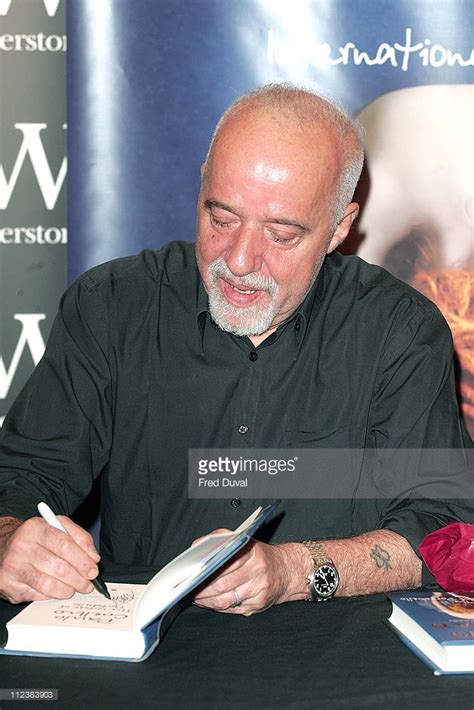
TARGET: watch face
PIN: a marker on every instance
(325, 580)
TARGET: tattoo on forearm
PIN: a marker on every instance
(381, 557)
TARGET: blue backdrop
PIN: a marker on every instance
(148, 80)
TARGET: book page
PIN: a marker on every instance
(92, 611)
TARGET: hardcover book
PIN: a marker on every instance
(438, 627)
(130, 625)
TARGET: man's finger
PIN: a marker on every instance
(217, 531)
(83, 538)
(51, 586)
(242, 599)
(226, 602)
(70, 554)
(228, 577)
(61, 569)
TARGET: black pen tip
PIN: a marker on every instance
(100, 587)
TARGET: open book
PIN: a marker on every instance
(132, 623)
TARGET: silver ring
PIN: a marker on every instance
(237, 601)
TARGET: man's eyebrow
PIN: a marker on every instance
(209, 204)
(289, 222)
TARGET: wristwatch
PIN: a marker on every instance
(324, 578)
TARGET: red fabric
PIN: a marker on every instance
(449, 555)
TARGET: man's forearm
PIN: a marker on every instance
(377, 561)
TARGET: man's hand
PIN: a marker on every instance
(40, 562)
(260, 575)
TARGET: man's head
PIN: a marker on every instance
(275, 198)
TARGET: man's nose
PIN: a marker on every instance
(245, 252)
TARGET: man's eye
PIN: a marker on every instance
(219, 223)
(283, 240)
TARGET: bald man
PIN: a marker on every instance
(264, 337)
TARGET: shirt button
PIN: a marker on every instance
(298, 325)
(235, 502)
(253, 356)
(243, 429)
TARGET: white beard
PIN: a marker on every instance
(244, 320)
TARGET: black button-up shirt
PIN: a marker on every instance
(135, 373)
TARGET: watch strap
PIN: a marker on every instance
(317, 551)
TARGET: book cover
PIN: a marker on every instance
(438, 627)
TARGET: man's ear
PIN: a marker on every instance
(343, 226)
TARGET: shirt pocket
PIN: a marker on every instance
(306, 436)
(329, 460)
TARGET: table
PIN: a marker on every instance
(337, 655)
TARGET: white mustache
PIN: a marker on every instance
(219, 269)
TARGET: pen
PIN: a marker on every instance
(48, 515)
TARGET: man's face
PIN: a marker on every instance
(264, 222)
